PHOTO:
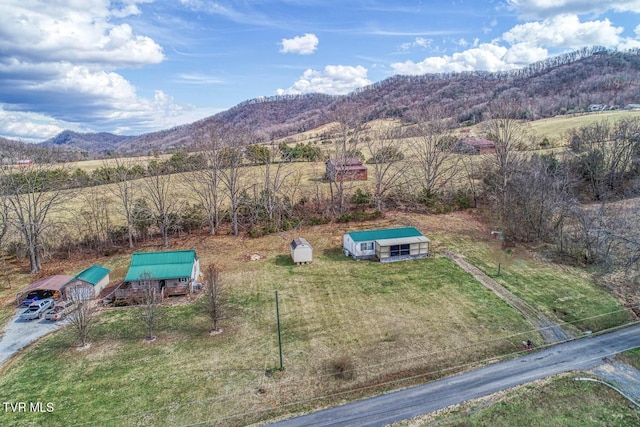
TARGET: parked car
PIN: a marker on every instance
(36, 296)
(60, 310)
(37, 309)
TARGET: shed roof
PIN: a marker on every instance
(50, 283)
(383, 234)
(161, 265)
(93, 275)
(299, 241)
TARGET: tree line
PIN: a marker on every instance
(235, 184)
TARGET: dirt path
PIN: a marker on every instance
(551, 332)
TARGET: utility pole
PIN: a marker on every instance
(279, 335)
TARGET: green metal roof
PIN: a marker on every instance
(93, 274)
(161, 265)
(386, 233)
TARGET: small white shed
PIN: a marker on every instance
(301, 251)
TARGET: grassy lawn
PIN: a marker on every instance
(566, 294)
(386, 325)
(559, 401)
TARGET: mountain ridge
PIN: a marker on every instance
(558, 85)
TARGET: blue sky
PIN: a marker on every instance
(135, 66)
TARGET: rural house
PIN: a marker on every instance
(476, 145)
(386, 245)
(170, 273)
(94, 278)
(301, 251)
(350, 169)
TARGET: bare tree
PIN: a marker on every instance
(205, 182)
(215, 297)
(605, 155)
(435, 165)
(82, 313)
(32, 193)
(348, 131)
(158, 186)
(150, 296)
(125, 190)
(510, 135)
(389, 165)
(232, 169)
(94, 211)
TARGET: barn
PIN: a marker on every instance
(170, 272)
(476, 145)
(386, 245)
(350, 169)
(94, 278)
(301, 251)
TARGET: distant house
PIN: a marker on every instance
(301, 251)
(170, 273)
(632, 107)
(94, 278)
(475, 145)
(386, 245)
(24, 162)
(350, 169)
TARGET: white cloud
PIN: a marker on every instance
(36, 31)
(16, 125)
(418, 42)
(58, 62)
(487, 57)
(565, 31)
(539, 9)
(303, 45)
(333, 80)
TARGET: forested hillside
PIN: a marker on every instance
(560, 85)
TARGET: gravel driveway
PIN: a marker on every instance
(20, 333)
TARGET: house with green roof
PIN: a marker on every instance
(386, 245)
(170, 272)
(95, 278)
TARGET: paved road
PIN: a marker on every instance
(580, 354)
(20, 333)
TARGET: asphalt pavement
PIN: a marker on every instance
(580, 354)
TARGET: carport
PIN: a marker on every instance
(51, 283)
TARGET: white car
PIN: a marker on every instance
(36, 309)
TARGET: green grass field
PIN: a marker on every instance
(392, 325)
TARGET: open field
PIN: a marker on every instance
(381, 323)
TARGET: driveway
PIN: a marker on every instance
(20, 333)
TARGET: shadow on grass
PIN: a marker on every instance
(336, 254)
(284, 261)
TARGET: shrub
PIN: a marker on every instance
(342, 368)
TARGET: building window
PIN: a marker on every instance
(366, 246)
(398, 250)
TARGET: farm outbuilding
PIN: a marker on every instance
(94, 278)
(170, 272)
(386, 245)
(350, 169)
(301, 251)
(53, 285)
(476, 145)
